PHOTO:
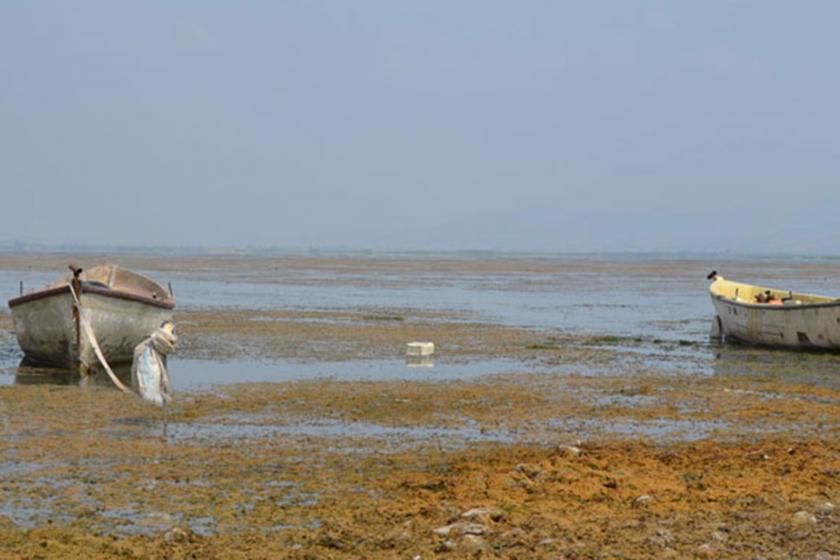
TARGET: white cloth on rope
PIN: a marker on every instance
(149, 375)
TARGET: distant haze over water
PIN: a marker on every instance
(348, 252)
(539, 126)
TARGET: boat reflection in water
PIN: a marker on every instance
(809, 366)
(32, 373)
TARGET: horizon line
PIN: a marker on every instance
(244, 250)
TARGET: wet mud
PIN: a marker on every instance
(335, 336)
(330, 469)
(618, 447)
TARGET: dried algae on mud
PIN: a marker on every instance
(106, 482)
(604, 456)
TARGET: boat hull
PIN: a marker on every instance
(785, 326)
(47, 331)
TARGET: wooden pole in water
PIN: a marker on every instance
(170, 289)
(21, 287)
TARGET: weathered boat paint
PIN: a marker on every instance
(123, 307)
(800, 321)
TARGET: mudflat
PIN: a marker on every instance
(584, 445)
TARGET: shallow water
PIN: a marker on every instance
(190, 375)
(657, 299)
(714, 359)
(396, 436)
(242, 427)
(583, 294)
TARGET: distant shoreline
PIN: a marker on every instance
(339, 252)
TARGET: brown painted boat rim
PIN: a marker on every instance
(86, 289)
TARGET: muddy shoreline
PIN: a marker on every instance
(237, 473)
(619, 447)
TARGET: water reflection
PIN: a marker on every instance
(419, 362)
(718, 359)
(802, 366)
(31, 373)
(192, 374)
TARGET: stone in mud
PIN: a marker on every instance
(804, 518)
(330, 541)
(705, 550)
(177, 535)
(569, 450)
(643, 500)
(825, 508)
(446, 546)
(461, 528)
(662, 538)
(395, 537)
(473, 544)
(531, 471)
(515, 535)
(481, 513)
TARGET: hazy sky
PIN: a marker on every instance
(548, 126)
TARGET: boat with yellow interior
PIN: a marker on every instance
(773, 317)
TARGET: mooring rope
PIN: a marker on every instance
(83, 321)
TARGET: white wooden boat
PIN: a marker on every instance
(772, 317)
(123, 307)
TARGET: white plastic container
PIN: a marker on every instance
(419, 348)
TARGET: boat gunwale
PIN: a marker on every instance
(716, 295)
(87, 289)
(774, 307)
